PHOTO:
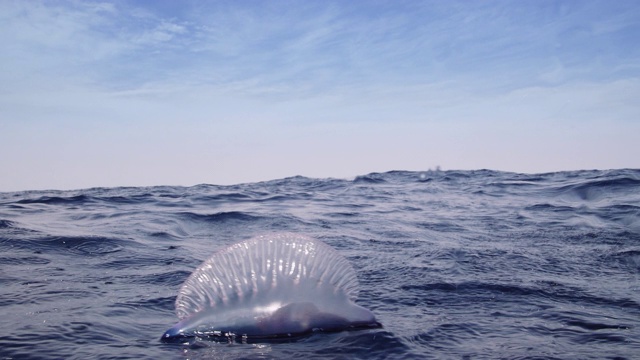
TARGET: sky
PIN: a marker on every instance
(164, 92)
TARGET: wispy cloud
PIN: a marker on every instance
(430, 78)
(317, 47)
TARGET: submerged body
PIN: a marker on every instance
(269, 287)
(293, 319)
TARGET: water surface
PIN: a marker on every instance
(455, 264)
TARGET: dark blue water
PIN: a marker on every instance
(455, 264)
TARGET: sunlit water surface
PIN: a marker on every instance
(455, 264)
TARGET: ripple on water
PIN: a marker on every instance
(79, 245)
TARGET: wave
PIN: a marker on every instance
(459, 264)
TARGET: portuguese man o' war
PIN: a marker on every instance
(270, 287)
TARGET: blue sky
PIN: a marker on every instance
(131, 93)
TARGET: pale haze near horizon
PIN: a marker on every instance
(141, 93)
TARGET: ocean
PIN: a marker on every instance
(454, 264)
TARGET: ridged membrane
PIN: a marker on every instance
(268, 269)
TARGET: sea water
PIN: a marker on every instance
(454, 264)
